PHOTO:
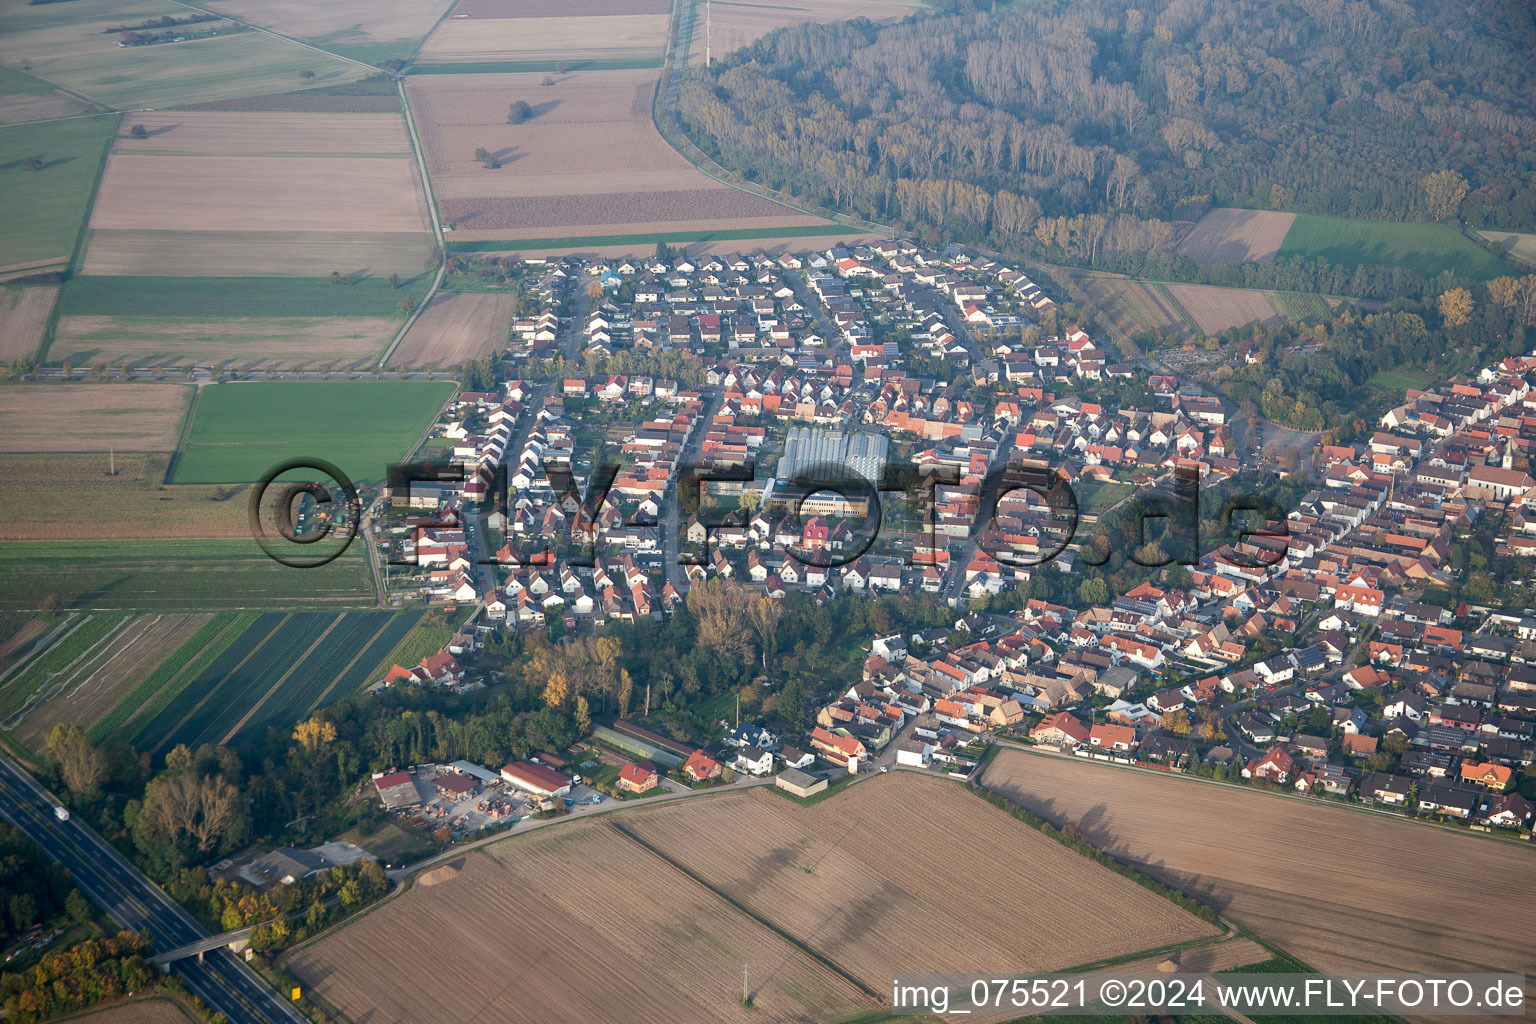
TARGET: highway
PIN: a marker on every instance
(136, 903)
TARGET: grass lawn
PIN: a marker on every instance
(390, 843)
(1095, 499)
(1426, 249)
(240, 431)
(41, 210)
(670, 237)
(1399, 381)
(282, 297)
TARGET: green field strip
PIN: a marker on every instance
(1426, 249)
(421, 642)
(510, 67)
(650, 238)
(388, 633)
(183, 711)
(122, 637)
(281, 297)
(296, 696)
(56, 658)
(43, 211)
(281, 680)
(168, 678)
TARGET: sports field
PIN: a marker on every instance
(1426, 249)
(42, 206)
(240, 431)
(277, 670)
(173, 575)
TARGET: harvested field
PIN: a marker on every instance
(23, 315)
(73, 497)
(343, 23)
(1129, 305)
(455, 328)
(141, 1011)
(318, 101)
(255, 253)
(24, 98)
(613, 35)
(69, 45)
(1216, 309)
(726, 246)
(83, 693)
(738, 23)
(1302, 874)
(1520, 246)
(558, 8)
(236, 342)
(270, 133)
(590, 162)
(607, 925)
(830, 875)
(80, 417)
(204, 193)
(1236, 236)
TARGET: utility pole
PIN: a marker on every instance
(111, 461)
(745, 971)
(738, 711)
(709, 24)
(647, 700)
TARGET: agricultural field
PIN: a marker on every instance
(79, 638)
(424, 640)
(608, 924)
(256, 253)
(241, 343)
(366, 31)
(455, 328)
(587, 166)
(23, 316)
(1227, 235)
(467, 36)
(273, 674)
(84, 691)
(737, 23)
(42, 207)
(1426, 249)
(829, 875)
(69, 44)
(92, 417)
(173, 575)
(1129, 306)
(240, 431)
(140, 1011)
(117, 496)
(1305, 307)
(24, 98)
(619, 907)
(233, 297)
(695, 243)
(1301, 874)
(1520, 246)
(1217, 309)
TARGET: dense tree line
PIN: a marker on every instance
(35, 888)
(78, 977)
(977, 124)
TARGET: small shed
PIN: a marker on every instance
(799, 783)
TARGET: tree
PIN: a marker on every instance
(78, 907)
(138, 131)
(32, 163)
(314, 733)
(1455, 307)
(186, 809)
(1093, 592)
(583, 716)
(557, 690)
(519, 112)
(548, 80)
(749, 501)
(626, 691)
(595, 291)
(394, 280)
(406, 305)
(560, 67)
(81, 765)
(764, 615)
(308, 76)
(1443, 193)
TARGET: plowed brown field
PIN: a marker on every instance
(547, 38)
(1236, 236)
(23, 314)
(84, 417)
(1341, 889)
(455, 328)
(1216, 309)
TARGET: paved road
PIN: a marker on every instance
(671, 514)
(134, 902)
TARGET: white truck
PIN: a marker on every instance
(61, 812)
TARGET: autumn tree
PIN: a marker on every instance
(185, 809)
(719, 609)
(81, 765)
(1443, 193)
(626, 691)
(1455, 307)
(764, 614)
(314, 733)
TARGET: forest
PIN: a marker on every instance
(976, 124)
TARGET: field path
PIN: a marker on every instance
(282, 679)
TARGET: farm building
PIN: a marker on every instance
(536, 778)
(455, 787)
(798, 783)
(397, 790)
